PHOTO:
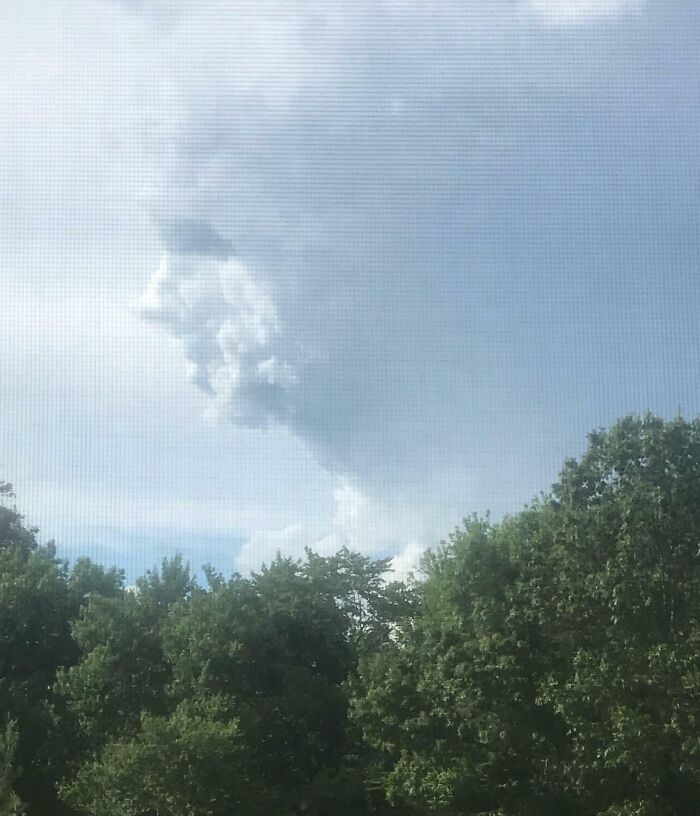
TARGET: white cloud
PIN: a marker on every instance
(313, 134)
(364, 524)
(360, 523)
(264, 545)
(230, 332)
(407, 562)
(581, 11)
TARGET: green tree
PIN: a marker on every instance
(87, 578)
(9, 801)
(374, 608)
(191, 763)
(245, 707)
(554, 664)
(123, 671)
(36, 607)
(453, 704)
(628, 601)
(278, 649)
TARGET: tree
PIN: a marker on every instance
(453, 704)
(554, 664)
(35, 612)
(87, 578)
(548, 664)
(9, 801)
(123, 671)
(374, 609)
(234, 697)
(192, 762)
(629, 602)
(277, 648)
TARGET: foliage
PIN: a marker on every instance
(248, 675)
(9, 801)
(123, 671)
(39, 599)
(554, 666)
(35, 609)
(192, 763)
(548, 664)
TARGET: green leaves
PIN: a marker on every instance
(193, 762)
(553, 665)
(248, 677)
(9, 801)
(123, 671)
(35, 639)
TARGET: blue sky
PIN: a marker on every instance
(289, 273)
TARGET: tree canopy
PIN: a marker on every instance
(554, 666)
(548, 663)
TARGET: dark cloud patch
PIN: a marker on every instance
(193, 237)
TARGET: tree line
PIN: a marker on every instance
(546, 664)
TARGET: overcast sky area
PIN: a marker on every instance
(319, 272)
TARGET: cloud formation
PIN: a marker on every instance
(359, 523)
(341, 149)
(430, 245)
(413, 190)
(227, 324)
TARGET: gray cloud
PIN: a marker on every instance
(428, 196)
(195, 237)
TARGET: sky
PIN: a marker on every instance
(295, 273)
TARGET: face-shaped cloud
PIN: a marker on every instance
(364, 161)
(426, 201)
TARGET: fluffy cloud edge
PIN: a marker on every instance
(360, 523)
(229, 329)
